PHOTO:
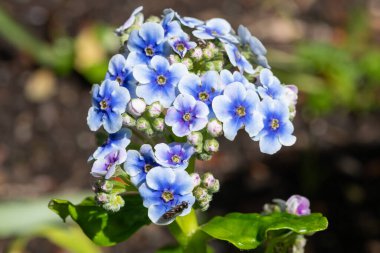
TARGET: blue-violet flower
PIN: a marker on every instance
(106, 167)
(175, 155)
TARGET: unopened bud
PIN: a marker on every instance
(200, 193)
(158, 124)
(196, 179)
(128, 120)
(204, 156)
(214, 188)
(299, 244)
(199, 148)
(208, 54)
(115, 203)
(155, 109)
(149, 132)
(211, 145)
(136, 107)
(106, 186)
(173, 58)
(195, 138)
(215, 128)
(204, 207)
(214, 65)
(298, 205)
(208, 180)
(197, 53)
(188, 63)
(102, 198)
(142, 124)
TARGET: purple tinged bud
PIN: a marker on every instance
(106, 186)
(196, 179)
(208, 180)
(158, 124)
(211, 145)
(298, 205)
(173, 58)
(128, 120)
(142, 124)
(197, 53)
(195, 138)
(215, 128)
(200, 194)
(101, 198)
(155, 109)
(208, 54)
(136, 107)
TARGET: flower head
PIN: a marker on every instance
(167, 194)
(186, 115)
(171, 28)
(138, 164)
(238, 108)
(181, 44)
(118, 140)
(109, 101)
(175, 155)
(159, 80)
(119, 71)
(278, 129)
(106, 167)
(271, 86)
(298, 205)
(215, 28)
(237, 59)
(145, 43)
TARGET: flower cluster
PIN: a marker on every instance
(180, 84)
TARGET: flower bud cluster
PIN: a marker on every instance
(179, 85)
(205, 187)
(106, 196)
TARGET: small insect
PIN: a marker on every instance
(175, 210)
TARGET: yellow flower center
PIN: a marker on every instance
(161, 80)
(186, 117)
(275, 124)
(240, 111)
(176, 159)
(203, 96)
(103, 105)
(119, 79)
(167, 196)
(147, 167)
(149, 51)
(180, 47)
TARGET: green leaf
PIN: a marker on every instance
(102, 227)
(248, 231)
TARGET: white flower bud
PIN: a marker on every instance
(196, 179)
(211, 146)
(142, 124)
(155, 109)
(128, 120)
(136, 107)
(195, 138)
(197, 53)
(158, 124)
(215, 128)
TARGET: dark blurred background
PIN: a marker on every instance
(51, 51)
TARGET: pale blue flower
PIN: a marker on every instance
(181, 44)
(186, 115)
(165, 189)
(216, 28)
(237, 59)
(271, 86)
(109, 101)
(238, 108)
(227, 78)
(174, 155)
(278, 129)
(106, 167)
(171, 28)
(159, 80)
(138, 164)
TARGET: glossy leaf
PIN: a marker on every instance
(102, 227)
(248, 231)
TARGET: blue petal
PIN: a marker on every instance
(99, 168)
(150, 197)
(181, 128)
(113, 122)
(184, 103)
(269, 144)
(155, 212)
(135, 58)
(183, 183)
(202, 34)
(256, 46)
(172, 117)
(143, 74)
(266, 77)
(231, 127)
(188, 84)
(160, 64)
(190, 199)
(129, 21)
(177, 71)
(162, 152)
(94, 118)
(201, 110)
(160, 178)
(230, 50)
(226, 77)
(116, 64)
(135, 42)
(221, 26)
(285, 135)
(134, 163)
(254, 124)
(235, 92)
(110, 172)
(221, 105)
(152, 33)
(119, 99)
(244, 34)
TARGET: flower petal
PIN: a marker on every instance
(160, 178)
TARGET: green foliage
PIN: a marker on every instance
(248, 231)
(102, 227)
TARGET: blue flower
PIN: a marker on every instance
(215, 28)
(158, 81)
(255, 45)
(164, 190)
(138, 164)
(186, 115)
(181, 44)
(271, 86)
(131, 20)
(118, 140)
(109, 101)
(298, 205)
(238, 108)
(278, 129)
(145, 43)
(227, 77)
(119, 71)
(237, 59)
(171, 28)
(106, 167)
(203, 89)
(175, 155)
(186, 21)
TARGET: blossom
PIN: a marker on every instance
(145, 43)
(107, 166)
(115, 141)
(278, 129)
(138, 164)
(202, 89)
(159, 80)
(165, 189)
(238, 108)
(227, 77)
(298, 205)
(130, 21)
(215, 28)
(237, 59)
(174, 155)
(271, 86)
(181, 44)
(186, 21)
(186, 115)
(171, 28)
(118, 70)
(109, 101)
